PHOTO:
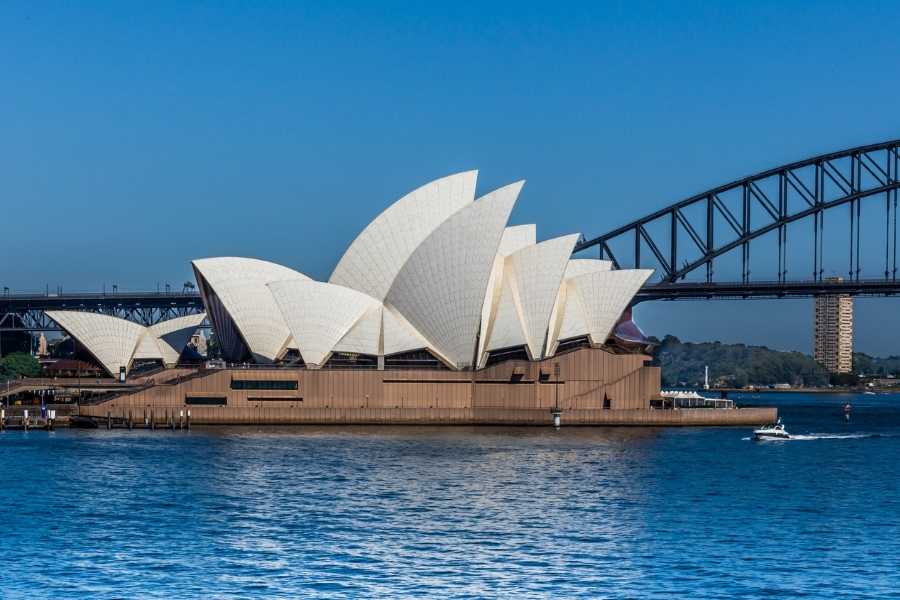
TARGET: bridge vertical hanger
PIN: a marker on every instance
(710, 238)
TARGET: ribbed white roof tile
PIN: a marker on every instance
(147, 348)
(572, 318)
(604, 296)
(173, 335)
(365, 335)
(375, 257)
(111, 340)
(505, 329)
(441, 288)
(536, 273)
(516, 237)
(399, 335)
(240, 284)
(580, 266)
(319, 314)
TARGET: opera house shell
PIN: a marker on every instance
(437, 272)
(439, 282)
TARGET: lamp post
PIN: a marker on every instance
(556, 412)
(556, 376)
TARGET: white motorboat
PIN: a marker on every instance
(772, 432)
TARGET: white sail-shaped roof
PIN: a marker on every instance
(604, 296)
(111, 340)
(441, 288)
(514, 238)
(375, 257)
(570, 320)
(505, 329)
(117, 342)
(240, 285)
(319, 314)
(536, 273)
(173, 335)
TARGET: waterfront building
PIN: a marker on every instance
(42, 350)
(198, 341)
(833, 344)
(438, 312)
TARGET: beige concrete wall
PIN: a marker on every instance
(512, 392)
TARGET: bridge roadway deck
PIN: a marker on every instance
(89, 300)
(767, 289)
(654, 291)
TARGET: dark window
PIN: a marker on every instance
(251, 384)
(572, 344)
(499, 356)
(205, 400)
(275, 399)
(351, 360)
(416, 359)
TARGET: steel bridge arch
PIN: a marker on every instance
(881, 163)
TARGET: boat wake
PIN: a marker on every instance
(801, 437)
(834, 436)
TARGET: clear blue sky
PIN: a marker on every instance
(136, 137)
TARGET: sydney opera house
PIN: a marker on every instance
(439, 311)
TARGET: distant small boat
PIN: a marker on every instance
(772, 432)
(869, 393)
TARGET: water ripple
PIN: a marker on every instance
(456, 512)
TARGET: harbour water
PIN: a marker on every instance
(459, 512)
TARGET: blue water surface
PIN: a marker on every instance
(459, 512)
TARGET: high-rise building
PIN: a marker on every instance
(42, 346)
(834, 332)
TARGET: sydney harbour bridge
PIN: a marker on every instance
(823, 225)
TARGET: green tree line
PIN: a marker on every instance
(737, 365)
(19, 364)
(734, 365)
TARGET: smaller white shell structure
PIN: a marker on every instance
(173, 335)
(535, 274)
(111, 340)
(116, 342)
(234, 289)
(591, 302)
(570, 323)
(319, 314)
(605, 295)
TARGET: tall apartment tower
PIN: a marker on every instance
(834, 332)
